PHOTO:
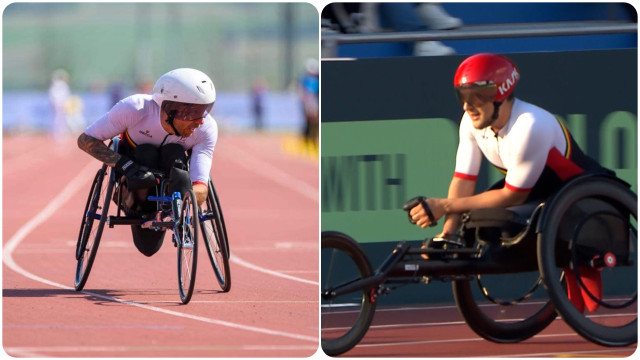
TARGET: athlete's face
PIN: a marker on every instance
(480, 114)
(187, 127)
(478, 104)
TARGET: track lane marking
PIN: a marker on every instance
(53, 205)
(273, 173)
(234, 259)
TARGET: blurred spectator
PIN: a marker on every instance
(309, 95)
(74, 118)
(258, 94)
(116, 93)
(436, 17)
(375, 17)
(59, 93)
(416, 17)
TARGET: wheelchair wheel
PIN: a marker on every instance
(215, 238)
(589, 220)
(346, 318)
(187, 241)
(508, 317)
(97, 208)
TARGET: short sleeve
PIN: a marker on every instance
(468, 156)
(116, 121)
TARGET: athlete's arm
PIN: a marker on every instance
(98, 149)
(458, 188)
(504, 197)
(201, 160)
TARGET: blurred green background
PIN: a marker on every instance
(132, 44)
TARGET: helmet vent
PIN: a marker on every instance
(200, 89)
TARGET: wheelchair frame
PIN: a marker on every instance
(459, 265)
(186, 226)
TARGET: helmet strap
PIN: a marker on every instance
(170, 118)
(496, 111)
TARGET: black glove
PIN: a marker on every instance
(138, 177)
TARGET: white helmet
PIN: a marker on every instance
(187, 94)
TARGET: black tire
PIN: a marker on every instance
(556, 253)
(215, 238)
(187, 244)
(502, 323)
(343, 260)
(89, 238)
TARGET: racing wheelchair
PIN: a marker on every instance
(186, 219)
(588, 225)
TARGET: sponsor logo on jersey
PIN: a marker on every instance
(145, 133)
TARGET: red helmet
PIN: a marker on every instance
(487, 70)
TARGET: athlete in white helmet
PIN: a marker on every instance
(155, 131)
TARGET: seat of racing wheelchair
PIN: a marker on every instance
(503, 226)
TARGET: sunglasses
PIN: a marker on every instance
(187, 112)
(477, 96)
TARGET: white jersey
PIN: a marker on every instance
(137, 120)
(532, 140)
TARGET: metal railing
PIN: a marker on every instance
(330, 41)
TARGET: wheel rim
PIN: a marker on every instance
(97, 210)
(606, 325)
(187, 248)
(213, 239)
(345, 318)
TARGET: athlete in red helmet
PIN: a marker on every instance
(528, 144)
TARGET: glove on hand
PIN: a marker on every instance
(138, 177)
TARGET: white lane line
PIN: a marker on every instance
(234, 259)
(72, 187)
(273, 173)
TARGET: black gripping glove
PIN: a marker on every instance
(422, 201)
(138, 177)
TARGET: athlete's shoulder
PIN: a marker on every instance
(138, 102)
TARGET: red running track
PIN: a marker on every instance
(130, 306)
(439, 331)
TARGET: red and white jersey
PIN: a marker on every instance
(532, 141)
(137, 120)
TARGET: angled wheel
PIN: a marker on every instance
(589, 231)
(344, 319)
(504, 308)
(215, 238)
(97, 208)
(187, 244)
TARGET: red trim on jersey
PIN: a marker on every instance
(563, 167)
(200, 182)
(514, 188)
(465, 176)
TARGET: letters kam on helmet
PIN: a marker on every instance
(487, 71)
(189, 93)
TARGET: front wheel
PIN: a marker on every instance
(345, 319)
(187, 244)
